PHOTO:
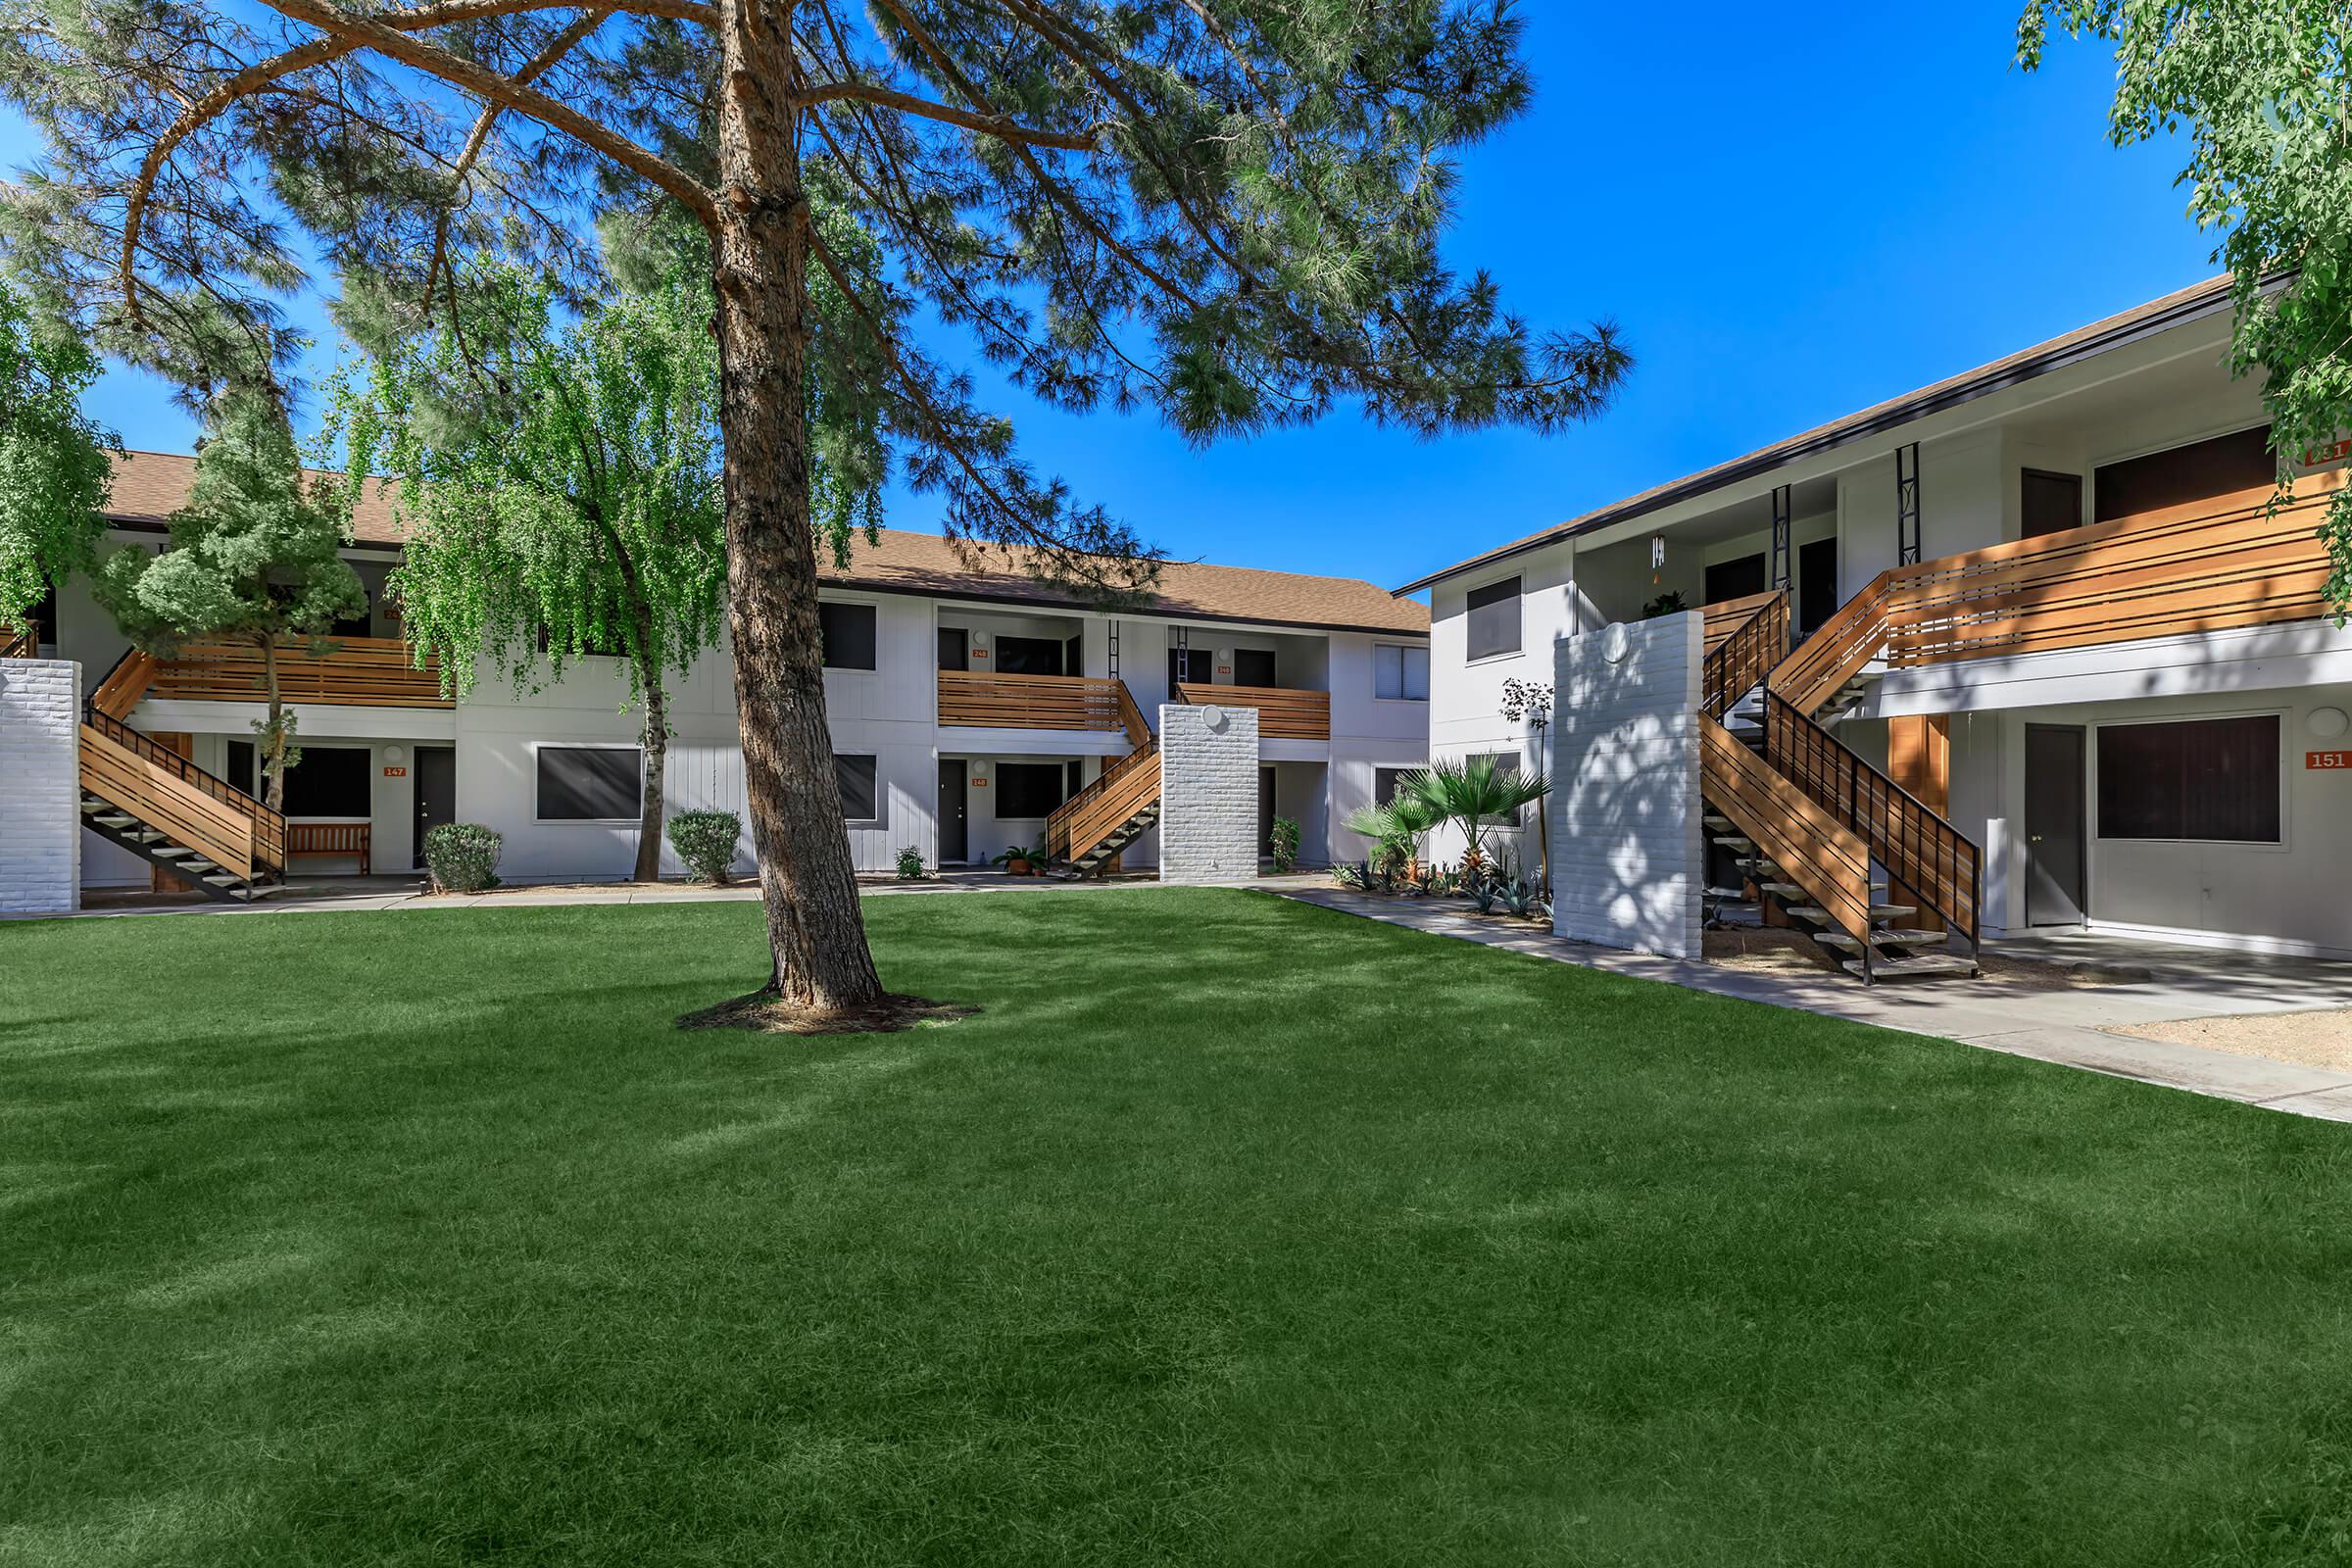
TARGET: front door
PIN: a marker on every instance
(1736, 579)
(436, 794)
(1266, 811)
(2055, 830)
(1816, 584)
(955, 838)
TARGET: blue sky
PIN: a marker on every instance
(1792, 212)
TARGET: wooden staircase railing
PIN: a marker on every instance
(131, 781)
(104, 713)
(1085, 813)
(2209, 566)
(1807, 782)
(20, 642)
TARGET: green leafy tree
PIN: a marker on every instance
(1473, 794)
(2261, 95)
(1228, 211)
(54, 473)
(560, 488)
(253, 557)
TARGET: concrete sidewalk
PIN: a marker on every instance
(2061, 1026)
(369, 894)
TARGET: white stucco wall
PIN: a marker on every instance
(1208, 793)
(40, 786)
(1628, 860)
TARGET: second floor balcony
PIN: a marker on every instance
(971, 700)
(350, 671)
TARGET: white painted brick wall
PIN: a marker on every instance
(1627, 857)
(1209, 793)
(40, 786)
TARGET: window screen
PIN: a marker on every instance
(1253, 667)
(1385, 781)
(1494, 618)
(589, 783)
(2214, 778)
(330, 781)
(1028, 789)
(855, 777)
(849, 635)
(2221, 467)
(1400, 672)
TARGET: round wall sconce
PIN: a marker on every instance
(2326, 722)
(1215, 718)
(1616, 642)
(393, 753)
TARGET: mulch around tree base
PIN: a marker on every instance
(762, 1014)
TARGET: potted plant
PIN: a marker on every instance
(1018, 861)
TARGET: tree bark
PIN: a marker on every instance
(274, 794)
(657, 755)
(808, 881)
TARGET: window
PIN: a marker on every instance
(1507, 765)
(2048, 502)
(2221, 467)
(1400, 672)
(849, 635)
(1736, 579)
(1385, 781)
(1253, 667)
(1191, 665)
(1028, 656)
(2213, 779)
(1029, 789)
(589, 783)
(330, 781)
(855, 777)
(1494, 618)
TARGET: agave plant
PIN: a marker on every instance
(1397, 829)
(1471, 794)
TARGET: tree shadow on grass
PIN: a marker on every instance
(763, 1013)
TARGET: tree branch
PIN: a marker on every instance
(1001, 126)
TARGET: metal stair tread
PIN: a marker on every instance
(1882, 939)
(1923, 966)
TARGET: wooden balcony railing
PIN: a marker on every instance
(977, 701)
(20, 642)
(354, 671)
(2230, 561)
(1281, 713)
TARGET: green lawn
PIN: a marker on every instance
(1230, 1231)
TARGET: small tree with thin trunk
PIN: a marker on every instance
(54, 476)
(252, 559)
(1227, 211)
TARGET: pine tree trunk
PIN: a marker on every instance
(808, 881)
(657, 756)
(275, 763)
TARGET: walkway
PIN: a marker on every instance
(2061, 1026)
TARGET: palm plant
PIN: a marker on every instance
(1398, 828)
(1472, 792)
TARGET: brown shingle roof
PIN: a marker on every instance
(2084, 342)
(149, 486)
(926, 563)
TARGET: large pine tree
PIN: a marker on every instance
(1226, 210)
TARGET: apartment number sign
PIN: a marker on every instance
(2327, 761)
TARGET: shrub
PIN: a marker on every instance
(910, 865)
(706, 841)
(1284, 842)
(463, 856)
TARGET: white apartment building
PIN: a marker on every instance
(972, 708)
(2028, 648)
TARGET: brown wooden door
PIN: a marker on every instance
(181, 744)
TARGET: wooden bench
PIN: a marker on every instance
(328, 838)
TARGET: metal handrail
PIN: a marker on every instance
(1921, 851)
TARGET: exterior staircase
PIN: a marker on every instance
(146, 798)
(1817, 833)
(1085, 836)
